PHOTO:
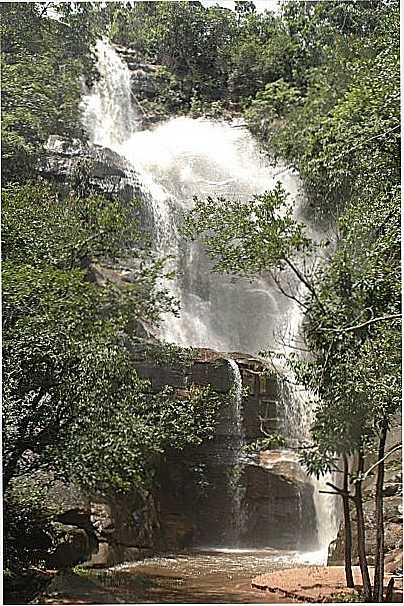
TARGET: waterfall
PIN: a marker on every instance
(300, 404)
(235, 471)
(108, 114)
(237, 400)
(175, 161)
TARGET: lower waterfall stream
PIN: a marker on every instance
(176, 161)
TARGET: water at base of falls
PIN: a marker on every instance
(200, 576)
(175, 161)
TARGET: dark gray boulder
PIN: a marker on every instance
(73, 164)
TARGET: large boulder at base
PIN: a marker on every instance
(280, 507)
(74, 546)
(207, 500)
(127, 527)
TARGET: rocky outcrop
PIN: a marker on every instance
(126, 526)
(272, 509)
(195, 502)
(214, 495)
(280, 505)
(155, 89)
(74, 164)
(75, 547)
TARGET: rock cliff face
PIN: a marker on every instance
(105, 171)
(194, 503)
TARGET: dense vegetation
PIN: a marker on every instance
(318, 84)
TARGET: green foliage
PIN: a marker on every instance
(42, 231)
(27, 527)
(280, 96)
(274, 102)
(72, 400)
(247, 238)
(42, 62)
(144, 426)
(341, 132)
(356, 372)
(262, 52)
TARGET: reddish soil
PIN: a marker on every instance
(314, 583)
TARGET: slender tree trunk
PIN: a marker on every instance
(347, 528)
(379, 563)
(360, 521)
(390, 590)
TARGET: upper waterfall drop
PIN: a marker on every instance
(177, 160)
(107, 111)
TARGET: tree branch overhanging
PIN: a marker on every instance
(358, 326)
(394, 449)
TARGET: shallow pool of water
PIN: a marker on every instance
(209, 576)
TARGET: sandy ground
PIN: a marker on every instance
(314, 583)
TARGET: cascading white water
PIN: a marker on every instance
(298, 421)
(108, 114)
(238, 394)
(176, 161)
(236, 486)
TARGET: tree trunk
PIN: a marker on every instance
(379, 563)
(390, 590)
(360, 521)
(347, 528)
